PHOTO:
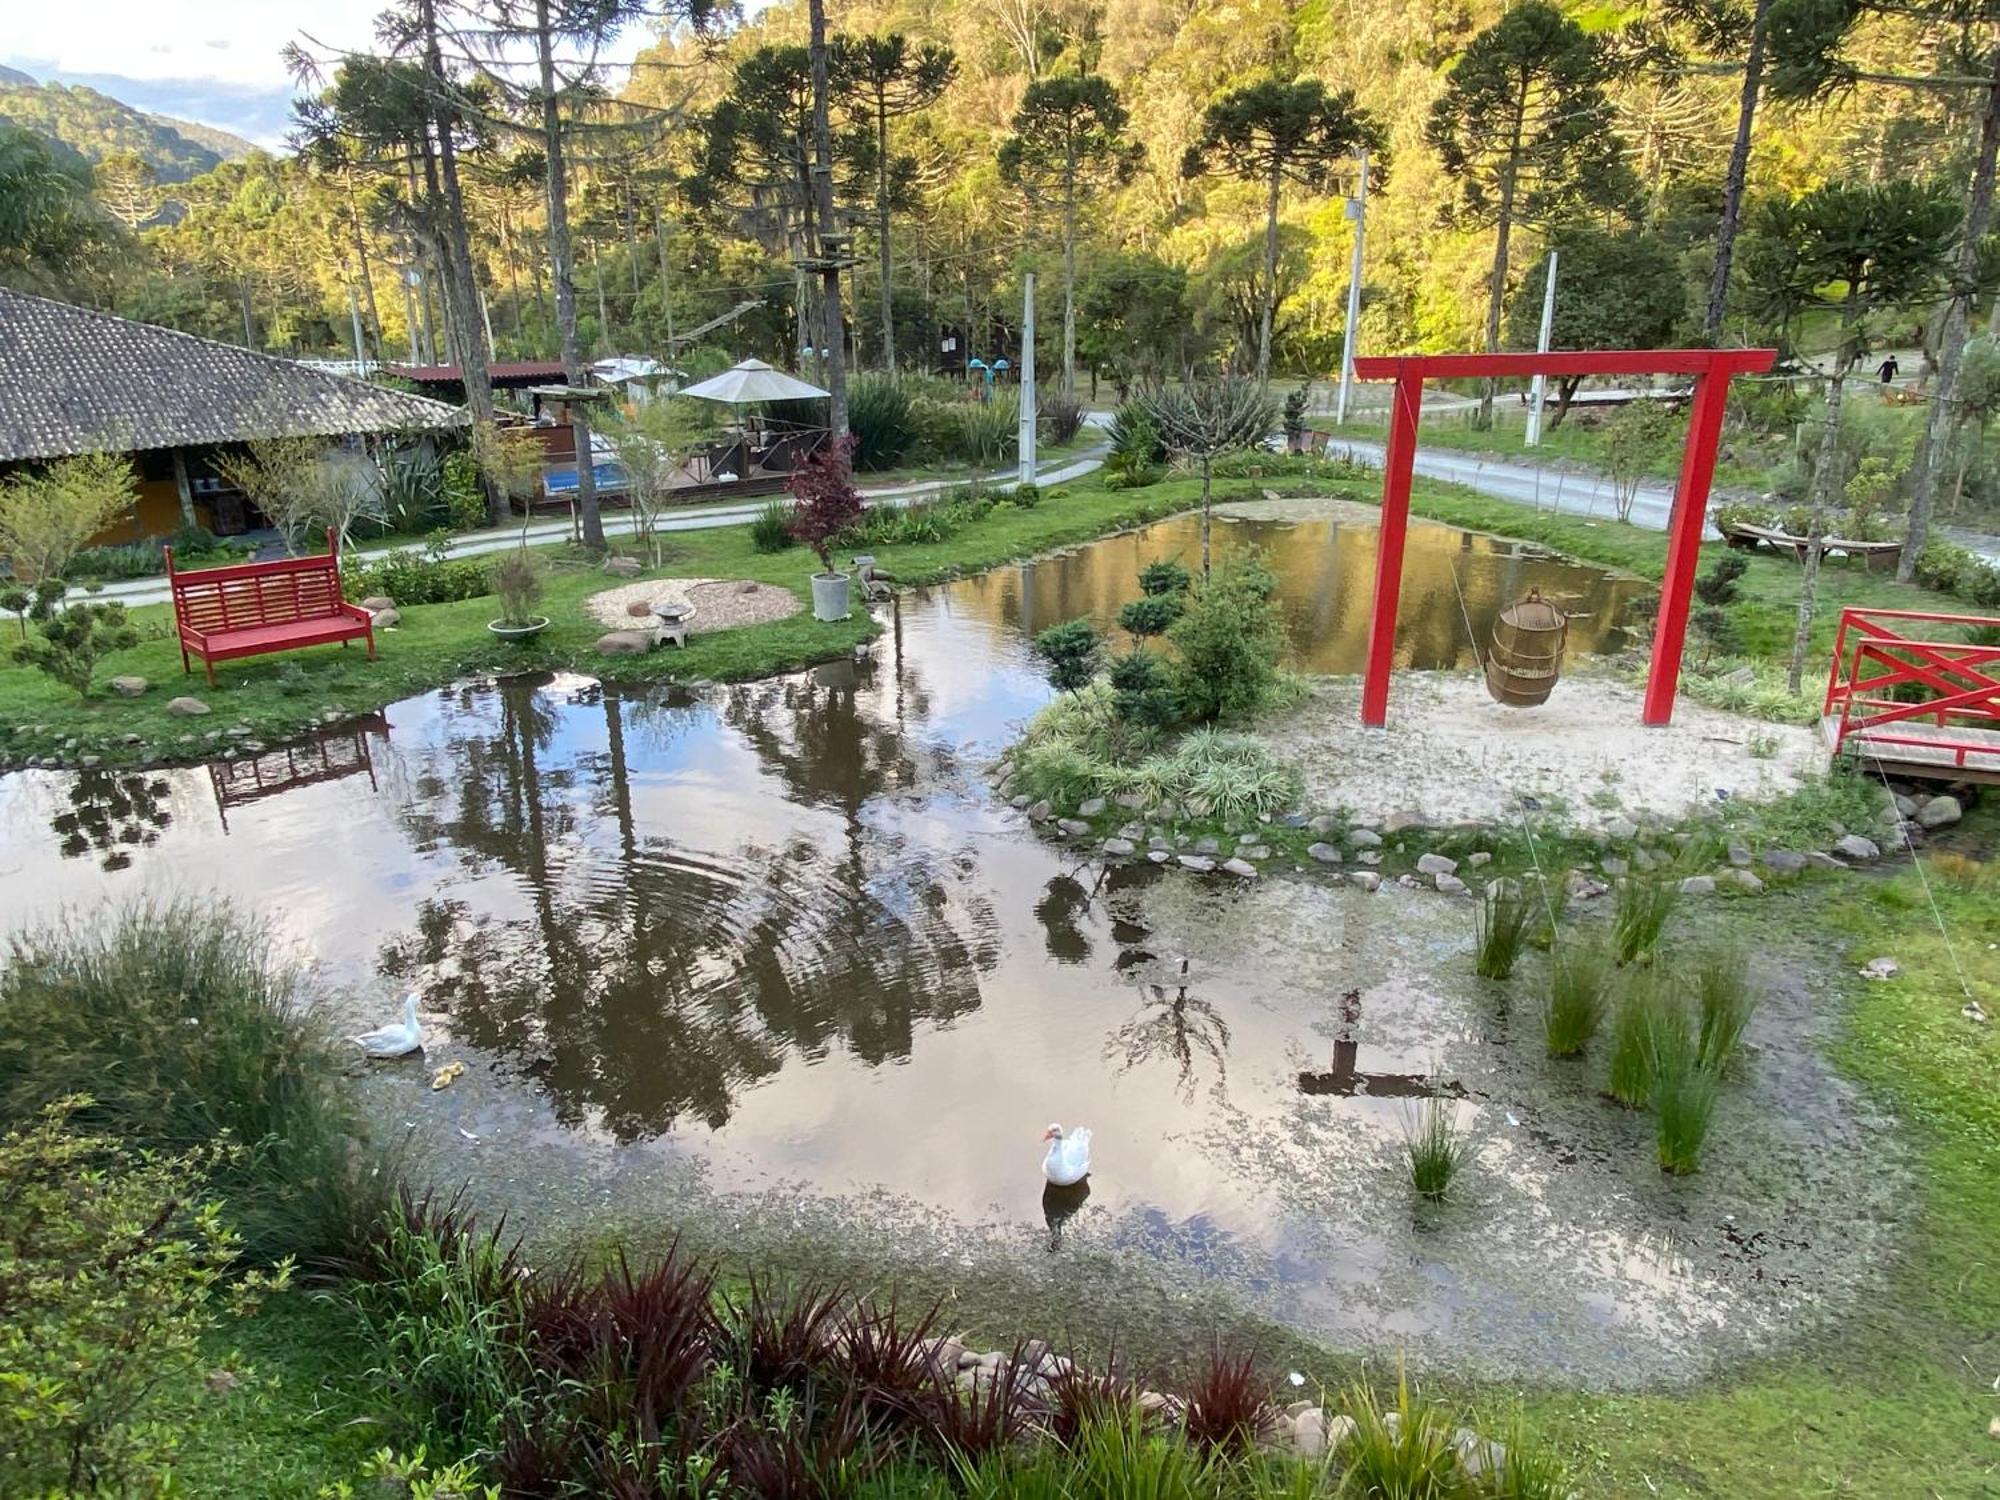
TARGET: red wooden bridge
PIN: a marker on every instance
(1911, 704)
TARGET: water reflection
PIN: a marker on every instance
(107, 814)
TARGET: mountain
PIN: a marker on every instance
(95, 126)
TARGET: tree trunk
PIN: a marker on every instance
(1732, 182)
(1269, 310)
(1930, 458)
(1565, 393)
(564, 276)
(836, 350)
(1825, 471)
(1069, 271)
(882, 247)
(1206, 465)
(367, 275)
(1496, 295)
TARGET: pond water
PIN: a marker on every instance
(774, 944)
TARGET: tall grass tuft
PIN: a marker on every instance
(1548, 899)
(1227, 1401)
(1580, 976)
(1684, 1099)
(1650, 1038)
(1411, 1458)
(1127, 1458)
(1720, 977)
(1529, 1471)
(181, 1026)
(772, 529)
(1644, 907)
(1436, 1150)
(1501, 928)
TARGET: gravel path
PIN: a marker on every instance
(719, 603)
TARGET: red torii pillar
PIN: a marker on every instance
(1711, 369)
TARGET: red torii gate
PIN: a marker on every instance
(1711, 369)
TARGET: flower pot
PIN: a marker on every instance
(527, 630)
(830, 596)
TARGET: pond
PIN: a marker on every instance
(770, 955)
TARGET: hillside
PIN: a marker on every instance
(95, 126)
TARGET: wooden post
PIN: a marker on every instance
(184, 488)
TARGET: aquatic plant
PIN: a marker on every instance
(1720, 979)
(1500, 927)
(1411, 1458)
(1227, 1401)
(1548, 900)
(1684, 1095)
(1643, 908)
(1436, 1149)
(1651, 1037)
(1580, 976)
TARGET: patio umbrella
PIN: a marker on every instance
(751, 381)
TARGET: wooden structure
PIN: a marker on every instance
(324, 755)
(254, 609)
(1913, 705)
(1711, 369)
(1877, 557)
(1525, 658)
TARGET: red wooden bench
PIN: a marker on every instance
(253, 609)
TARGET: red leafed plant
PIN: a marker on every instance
(825, 500)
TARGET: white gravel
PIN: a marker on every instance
(719, 603)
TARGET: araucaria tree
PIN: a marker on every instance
(1853, 249)
(1526, 129)
(883, 78)
(1272, 133)
(1204, 419)
(1069, 136)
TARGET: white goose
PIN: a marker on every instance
(1068, 1161)
(397, 1038)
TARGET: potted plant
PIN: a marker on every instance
(517, 579)
(825, 503)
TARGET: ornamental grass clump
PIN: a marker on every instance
(1684, 1095)
(1651, 1037)
(1720, 978)
(1413, 1457)
(1500, 929)
(1436, 1150)
(1643, 909)
(1580, 977)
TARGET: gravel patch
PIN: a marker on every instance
(719, 603)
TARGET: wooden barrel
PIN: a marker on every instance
(1526, 655)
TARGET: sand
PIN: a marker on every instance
(719, 603)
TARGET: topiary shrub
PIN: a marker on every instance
(1071, 651)
(1227, 639)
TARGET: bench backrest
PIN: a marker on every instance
(243, 595)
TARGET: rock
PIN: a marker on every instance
(622, 567)
(1131, 800)
(1041, 812)
(1583, 888)
(1621, 830)
(1698, 885)
(1119, 847)
(1309, 1433)
(1815, 860)
(1396, 822)
(1368, 880)
(1365, 838)
(624, 643)
(1854, 846)
(945, 1356)
(1939, 812)
(1159, 841)
(1075, 828)
(1207, 846)
(1324, 824)
(1451, 885)
(1339, 1432)
(1241, 868)
(1783, 861)
(1158, 856)
(748, 586)
(1906, 807)
(1201, 864)
(1252, 851)
(1435, 864)
(1326, 854)
(388, 619)
(1645, 859)
(1478, 1456)
(91, 761)
(639, 609)
(1133, 831)
(1369, 857)
(1479, 857)
(1739, 856)
(1613, 866)
(185, 708)
(1091, 807)
(861, 652)
(1019, 801)
(1741, 880)
(376, 603)
(1881, 968)
(129, 687)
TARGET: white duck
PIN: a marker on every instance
(1068, 1161)
(397, 1038)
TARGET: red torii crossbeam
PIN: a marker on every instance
(1711, 369)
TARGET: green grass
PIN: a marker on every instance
(1435, 1149)
(1501, 928)
(1643, 909)
(1684, 1097)
(1580, 978)
(1720, 979)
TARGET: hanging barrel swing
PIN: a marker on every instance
(1527, 651)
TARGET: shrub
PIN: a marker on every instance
(1058, 418)
(1071, 651)
(1500, 929)
(111, 564)
(1411, 1458)
(1718, 586)
(517, 580)
(1724, 1003)
(1435, 1149)
(1150, 614)
(975, 432)
(183, 1028)
(412, 492)
(1027, 496)
(464, 500)
(881, 415)
(772, 530)
(112, 1270)
(1643, 908)
(68, 646)
(1684, 1098)
(419, 576)
(1294, 418)
(827, 503)
(1228, 644)
(1579, 992)
(1165, 578)
(1142, 691)
(1135, 437)
(1227, 1401)
(47, 514)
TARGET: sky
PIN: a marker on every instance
(217, 62)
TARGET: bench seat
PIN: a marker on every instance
(253, 609)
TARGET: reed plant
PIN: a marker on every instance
(1720, 978)
(1412, 1457)
(1529, 1471)
(1641, 915)
(1580, 982)
(1684, 1097)
(1548, 900)
(1500, 929)
(1436, 1149)
(1651, 1037)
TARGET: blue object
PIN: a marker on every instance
(610, 475)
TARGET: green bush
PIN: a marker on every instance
(1227, 640)
(464, 499)
(1027, 496)
(772, 530)
(1164, 578)
(983, 432)
(1150, 614)
(112, 1272)
(1142, 690)
(412, 575)
(882, 416)
(69, 645)
(1071, 651)
(1135, 437)
(413, 495)
(183, 1029)
(111, 564)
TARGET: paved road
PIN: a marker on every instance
(139, 591)
(1575, 492)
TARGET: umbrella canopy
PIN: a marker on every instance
(752, 380)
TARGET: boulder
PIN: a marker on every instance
(1158, 856)
(1741, 880)
(624, 643)
(1132, 800)
(376, 603)
(1241, 868)
(1478, 1456)
(1119, 847)
(639, 609)
(1905, 807)
(1613, 866)
(1939, 812)
(1698, 885)
(1451, 885)
(1201, 864)
(1815, 860)
(1435, 864)
(1324, 824)
(1253, 851)
(1091, 807)
(1854, 846)
(1326, 854)
(1368, 880)
(129, 687)
(748, 586)
(1075, 828)
(1783, 861)
(1207, 846)
(1881, 968)
(185, 708)
(388, 619)
(1396, 822)
(1040, 812)
(1365, 838)
(1479, 857)
(622, 567)
(1308, 1433)
(1621, 830)
(1739, 856)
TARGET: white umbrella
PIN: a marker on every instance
(752, 380)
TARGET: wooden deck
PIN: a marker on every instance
(1934, 756)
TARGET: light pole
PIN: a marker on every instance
(1026, 441)
(1357, 210)
(1541, 383)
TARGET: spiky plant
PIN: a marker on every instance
(1410, 1458)
(1500, 929)
(1580, 978)
(1643, 908)
(1684, 1099)
(1720, 978)
(1436, 1149)
(1651, 1036)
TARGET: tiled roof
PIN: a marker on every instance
(77, 381)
